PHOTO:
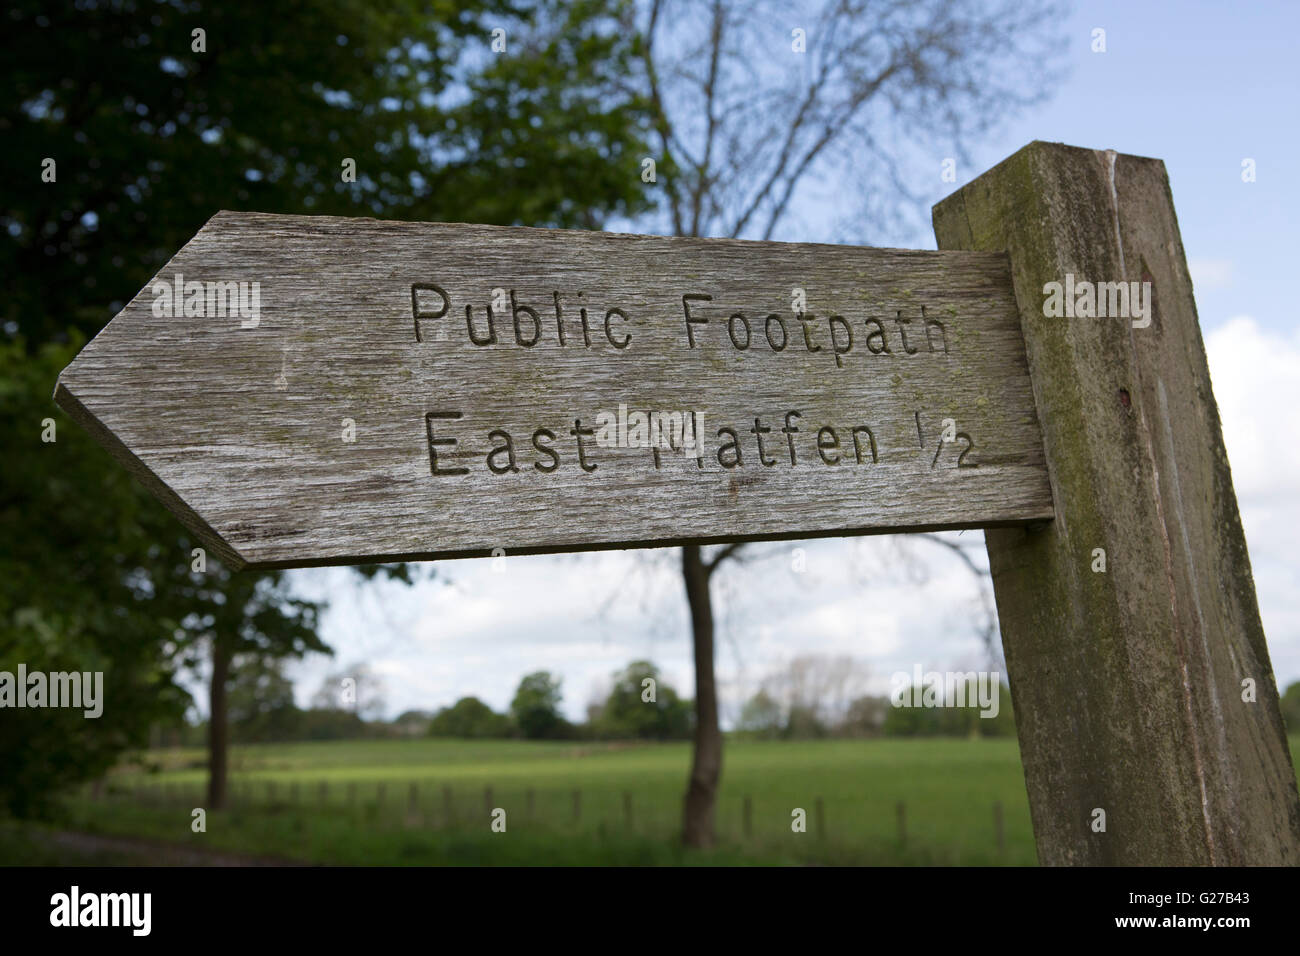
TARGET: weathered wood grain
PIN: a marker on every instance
(1129, 680)
(240, 427)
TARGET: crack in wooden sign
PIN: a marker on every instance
(314, 390)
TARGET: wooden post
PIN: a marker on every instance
(902, 824)
(1131, 684)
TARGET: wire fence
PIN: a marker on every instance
(603, 812)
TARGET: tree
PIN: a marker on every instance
(82, 589)
(536, 707)
(246, 616)
(470, 718)
(807, 697)
(855, 92)
(761, 716)
(865, 717)
(942, 720)
(911, 722)
(642, 706)
(151, 135)
(260, 704)
(1291, 708)
(816, 690)
(98, 577)
(317, 724)
(412, 723)
(155, 119)
(356, 688)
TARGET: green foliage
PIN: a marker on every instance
(536, 707)
(629, 714)
(760, 716)
(261, 709)
(259, 699)
(97, 576)
(318, 723)
(469, 717)
(412, 723)
(804, 723)
(88, 573)
(152, 137)
(1291, 708)
(951, 721)
(948, 785)
(865, 717)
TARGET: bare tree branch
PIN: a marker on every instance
(704, 170)
(726, 552)
(662, 124)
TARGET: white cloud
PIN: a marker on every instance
(1256, 378)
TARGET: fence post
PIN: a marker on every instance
(1139, 741)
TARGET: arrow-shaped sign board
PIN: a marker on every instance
(314, 390)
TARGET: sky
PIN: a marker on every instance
(1203, 86)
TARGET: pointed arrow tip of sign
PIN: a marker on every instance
(66, 398)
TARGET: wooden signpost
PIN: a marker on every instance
(309, 390)
(422, 390)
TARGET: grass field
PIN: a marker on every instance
(627, 808)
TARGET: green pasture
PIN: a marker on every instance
(353, 802)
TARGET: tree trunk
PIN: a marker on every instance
(218, 731)
(706, 762)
